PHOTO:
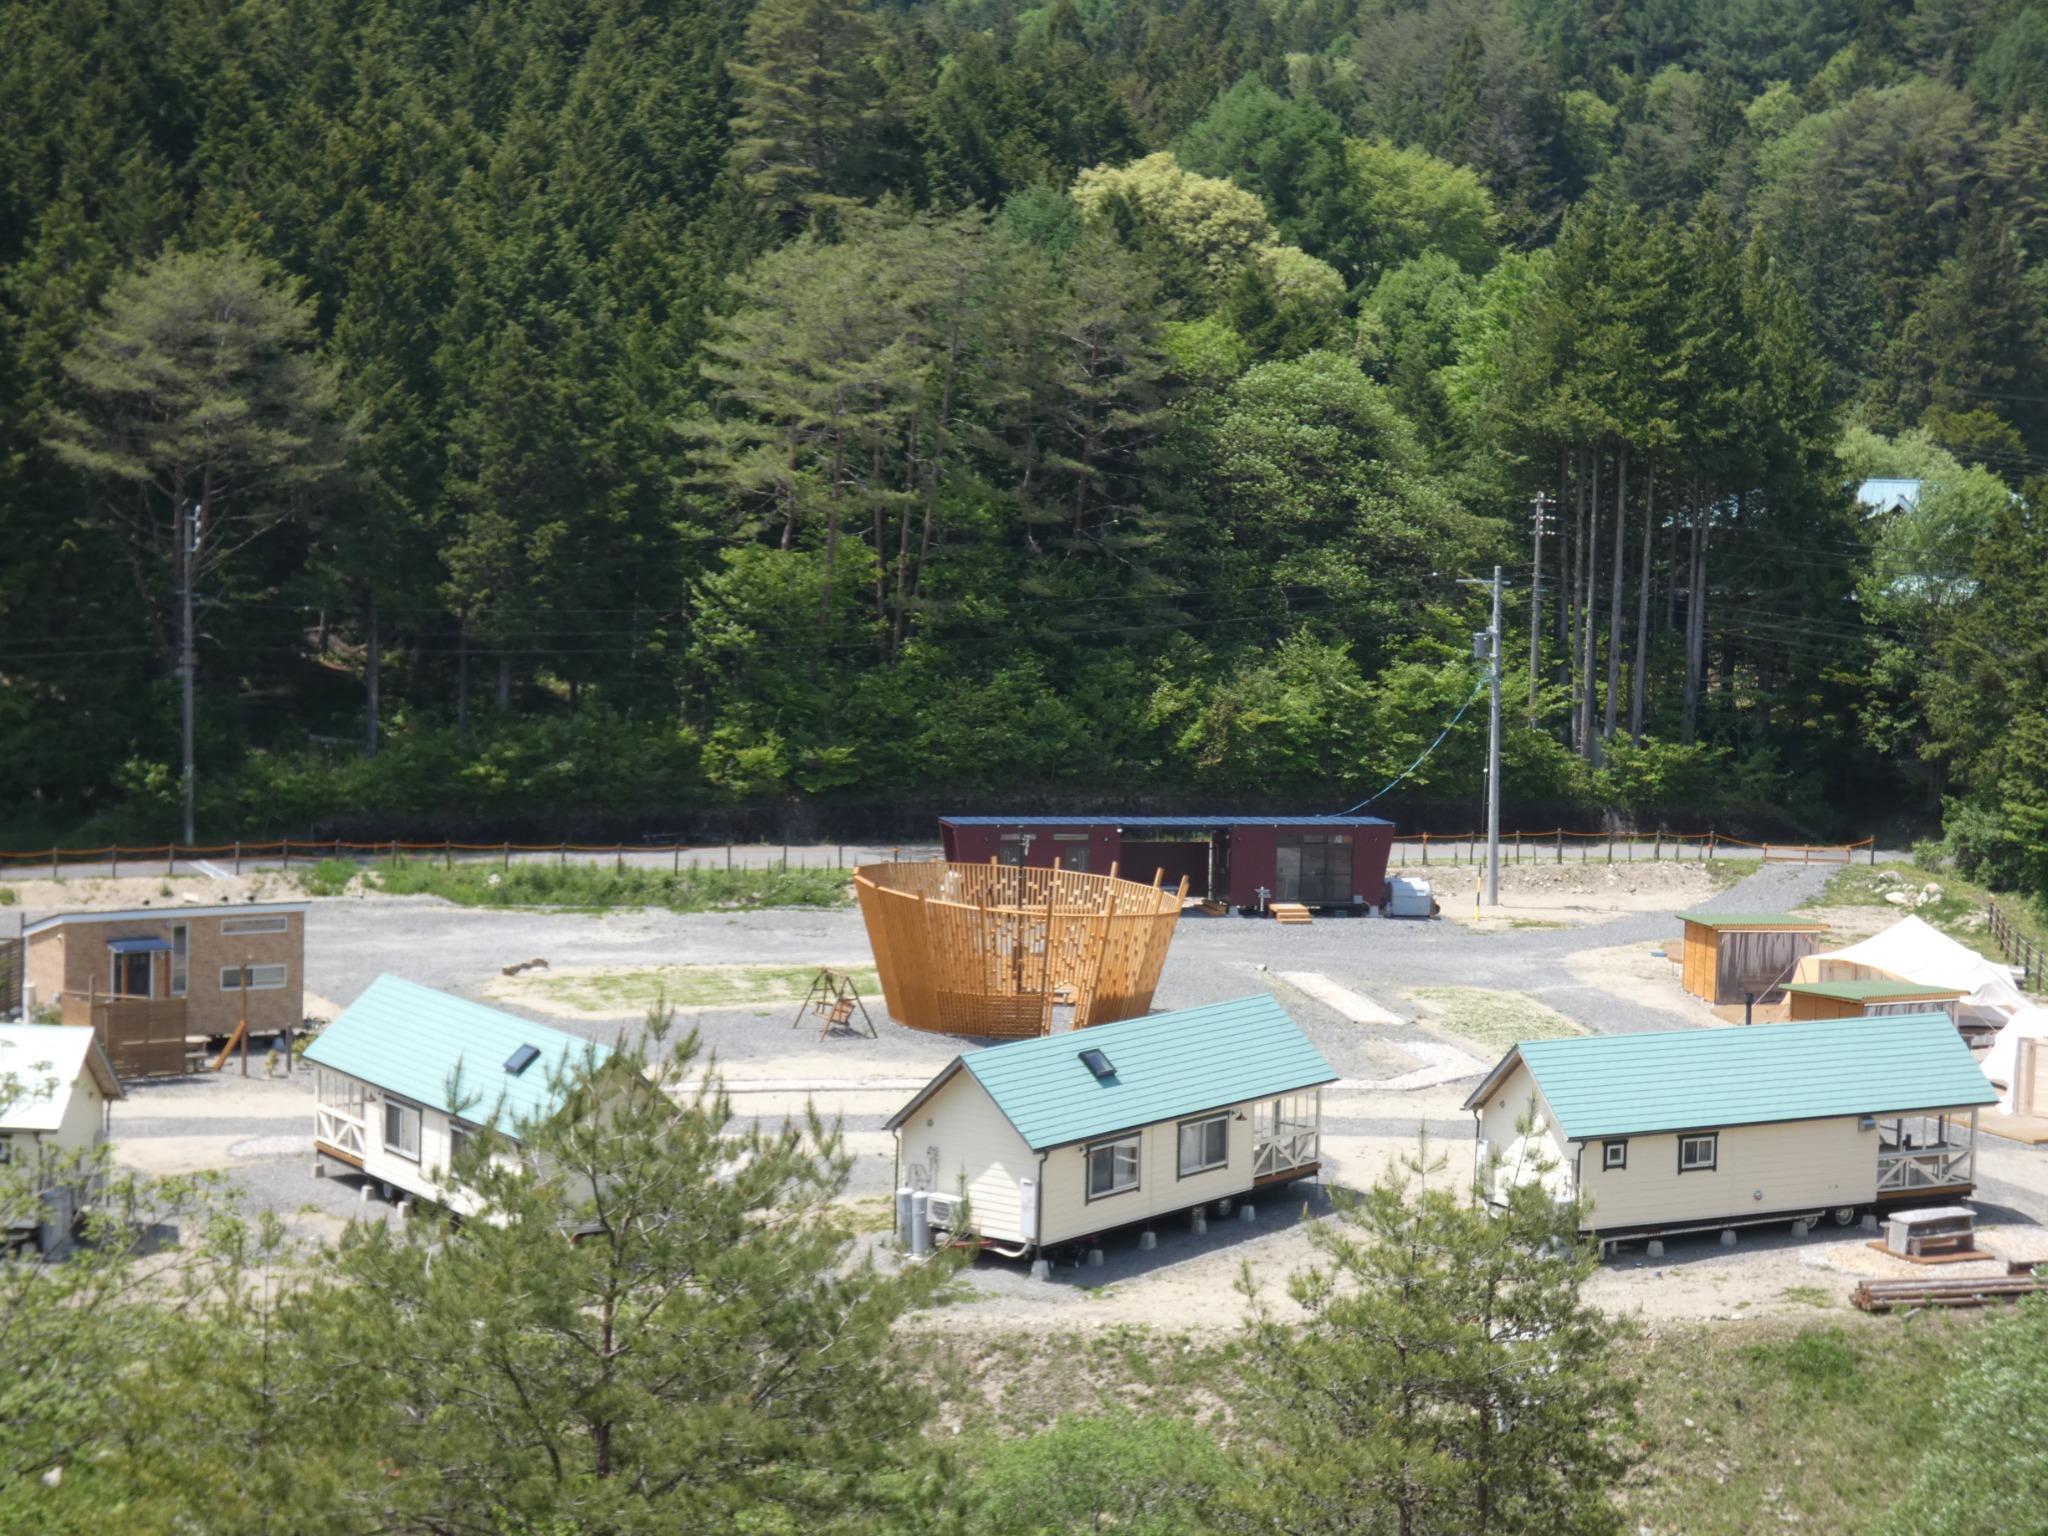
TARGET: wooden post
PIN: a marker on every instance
(785, 858)
(243, 1028)
(1713, 844)
(1518, 846)
(113, 861)
(618, 858)
(728, 858)
(1425, 850)
(447, 853)
(505, 857)
(170, 858)
(676, 862)
(1560, 845)
(53, 863)
(285, 844)
(238, 855)
(562, 853)
(1873, 853)
(1657, 853)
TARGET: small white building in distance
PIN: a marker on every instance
(56, 1086)
(1074, 1134)
(382, 1073)
(1692, 1129)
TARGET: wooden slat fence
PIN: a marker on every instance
(989, 950)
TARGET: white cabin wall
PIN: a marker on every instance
(1500, 1127)
(978, 1150)
(83, 1126)
(1790, 1166)
(1069, 1213)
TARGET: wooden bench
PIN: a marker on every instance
(1935, 1229)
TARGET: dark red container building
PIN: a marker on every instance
(1332, 862)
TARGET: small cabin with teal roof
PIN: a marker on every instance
(1039, 1142)
(1676, 1130)
(406, 1072)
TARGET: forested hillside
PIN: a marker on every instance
(614, 403)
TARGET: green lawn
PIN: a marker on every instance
(594, 887)
(693, 986)
(1495, 1020)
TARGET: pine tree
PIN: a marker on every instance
(806, 115)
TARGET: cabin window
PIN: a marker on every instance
(262, 978)
(1204, 1144)
(1613, 1154)
(181, 957)
(1112, 1167)
(1698, 1154)
(6, 1150)
(458, 1141)
(1071, 849)
(402, 1129)
(234, 927)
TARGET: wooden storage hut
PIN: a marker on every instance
(1700, 1128)
(1040, 1142)
(1329, 862)
(1730, 957)
(382, 1073)
(990, 950)
(1866, 999)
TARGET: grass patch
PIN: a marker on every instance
(591, 887)
(1784, 1424)
(1807, 1296)
(1535, 922)
(1959, 911)
(6, 895)
(330, 877)
(1495, 1020)
(691, 986)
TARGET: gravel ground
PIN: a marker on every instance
(260, 1129)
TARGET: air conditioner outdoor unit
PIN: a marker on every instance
(943, 1210)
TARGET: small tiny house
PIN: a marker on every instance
(1685, 1129)
(1730, 957)
(1074, 1134)
(150, 980)
(382, 1073)
(1249, 861)
(56, 1086)
(1866, 999)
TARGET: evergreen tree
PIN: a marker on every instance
(807, 115)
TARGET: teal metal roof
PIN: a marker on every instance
(1750, 920)
(409, 1040)
(1166, 1065)
(1698, 1079)
(1864, 991)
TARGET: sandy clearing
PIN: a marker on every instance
(84, 892)
(540, 991)
(1635, 972)
(1355, 1006)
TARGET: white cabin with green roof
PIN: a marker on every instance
(1687, 1129)
(1040, 1142)
(385, 1071)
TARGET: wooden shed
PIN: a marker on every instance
(1866, 999)
(1676, 1130)
(1040, 1142)
(1730, 957)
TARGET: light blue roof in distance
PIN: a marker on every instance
(409, 1039)
(1165, 1065)
(1699, 1079)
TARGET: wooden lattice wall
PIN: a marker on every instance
(986, 949)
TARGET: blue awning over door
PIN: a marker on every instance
(148, 946)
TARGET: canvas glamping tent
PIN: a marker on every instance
(1912, 950)
(2018, 1063)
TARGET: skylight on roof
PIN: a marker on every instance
(521, 1059)
(1097, 1063)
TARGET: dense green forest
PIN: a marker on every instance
(617, 404)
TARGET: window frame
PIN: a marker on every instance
(241, 927)
(255, 973)
(1220, 1117)
(181, 959)
(1135, 1141)
(419, 1126)
(1713, 1141)
(1608, 1164)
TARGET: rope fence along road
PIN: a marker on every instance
(221, 861)
(1558, 846)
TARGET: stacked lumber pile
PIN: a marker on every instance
(1890, 1295)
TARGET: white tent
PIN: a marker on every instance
(1912, 950)
(2027, 1024)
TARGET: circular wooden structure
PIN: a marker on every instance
(988, 949)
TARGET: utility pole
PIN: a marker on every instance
(1486, 646)
(188, 558)
(1538, 506)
